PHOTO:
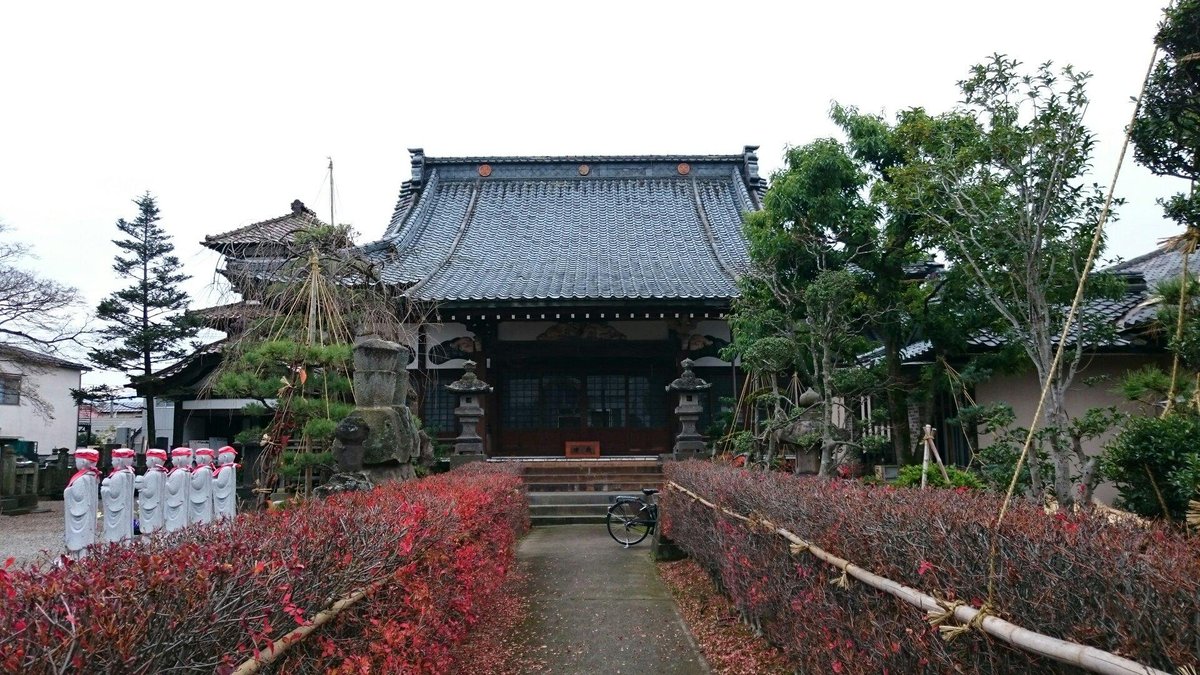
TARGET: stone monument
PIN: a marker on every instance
(117, 494)
(689, 443)
(149, 488)
(80, 502)
(380, 440)
(175, 490)
(470, 389)
(225, 484)
(200, 488)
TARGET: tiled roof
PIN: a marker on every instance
(1129, 314)
(278, 230)
(28, 356)
(570, 228)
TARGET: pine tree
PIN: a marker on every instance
(147, 322)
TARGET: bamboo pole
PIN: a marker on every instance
(1082, 656)
(925, 461)
(277, 648)
(936, 455)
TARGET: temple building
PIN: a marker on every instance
(576, 284)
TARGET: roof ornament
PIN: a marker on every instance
(758, 184)
(418, 165)
(298, 207)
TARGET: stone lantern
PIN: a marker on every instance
(689, 443)
(470, 389)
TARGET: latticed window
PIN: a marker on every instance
(10, 390)
(437, 405)
(607, 401)
(522, 403)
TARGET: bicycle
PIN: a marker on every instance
(631, 518)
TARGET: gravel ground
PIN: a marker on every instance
(25, 538)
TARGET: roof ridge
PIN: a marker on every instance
(306, 213)
(555, 159)
(709, 236)
(1125, 264)
(462, 229)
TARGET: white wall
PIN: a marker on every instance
(23, 421)
(1022, 393)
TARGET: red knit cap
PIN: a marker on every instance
(156, 452)
(125, 453)
(88, 454)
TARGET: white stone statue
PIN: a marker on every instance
(200, 490)
(116, 493)
(150, 487)
(80, 501)
(225, 484)
(175, 490)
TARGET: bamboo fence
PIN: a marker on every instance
(940, 612)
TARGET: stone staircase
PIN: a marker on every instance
(578, 491)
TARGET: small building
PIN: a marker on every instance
(576, 284)
(37, 410)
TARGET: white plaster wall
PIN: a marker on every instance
(439, 333)
(702, 335)
(1022, 393)
(23, 422)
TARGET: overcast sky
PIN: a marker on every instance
(227, 111)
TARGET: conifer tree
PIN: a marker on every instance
(147, 321)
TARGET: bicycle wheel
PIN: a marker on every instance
(629, 522)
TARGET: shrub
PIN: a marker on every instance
(1166, 447)
(910, 476)
(1131, 591)
(207, 598)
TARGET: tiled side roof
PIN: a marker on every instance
(1155, 266)
(1129, 314)
(22, 355)
(569, 228)
(272, 231)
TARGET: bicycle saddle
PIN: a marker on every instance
(649, 491)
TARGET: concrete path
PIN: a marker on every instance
(596, 607)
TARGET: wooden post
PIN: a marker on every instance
(925, 462)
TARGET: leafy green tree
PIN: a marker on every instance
(804, 307)
(147, 321)
(1166, 137)
(997, 185)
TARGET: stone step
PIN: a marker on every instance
(591, 470)
(544, 521)
(541, 510)
(593, 478)
(550, 498)
(630, 487)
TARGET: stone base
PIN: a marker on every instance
(383, 473)
(681, 455)
(344, 482)
(458, 460)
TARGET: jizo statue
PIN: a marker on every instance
(150, 487)
(117, 495)
(79, 503)
(175, 490)
(225, 484)
(200, 490)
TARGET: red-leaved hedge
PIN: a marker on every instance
(1131, 591)
(207, 598)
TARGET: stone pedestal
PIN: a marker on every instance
(470, 390)
(688, 443)
(379, 441)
